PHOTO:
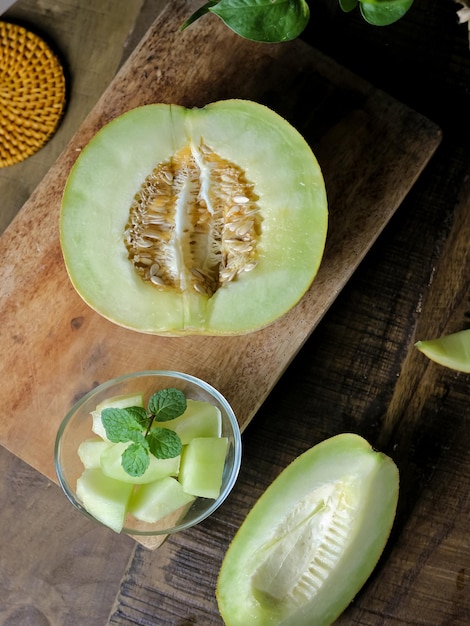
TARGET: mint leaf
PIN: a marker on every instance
(138, 436)
(119, 424)
(164, 443)
(139, 414)
(135, 459)
(167, 404)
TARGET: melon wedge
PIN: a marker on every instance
(312, 539)
(451, 351)
(90, 452)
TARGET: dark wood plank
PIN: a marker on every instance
(56, 567)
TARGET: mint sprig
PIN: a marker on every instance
(136, 424)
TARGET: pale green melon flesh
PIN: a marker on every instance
(111, 466)
(90, 452)
(312, 539)
(201, 419)
(108, 174)
(104, 498)
(202, 466)
(153, 501)
(451, 351)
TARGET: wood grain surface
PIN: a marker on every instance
(370, 147)
(357, 372)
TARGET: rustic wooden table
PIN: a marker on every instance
(358, 371)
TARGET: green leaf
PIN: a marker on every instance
(139, 414)
(164, 443)
(167, 404)
(135, 459)
(273, 21)
(138, 436)
(348, 5)
(119, 424)
(384, 12)
(267, 21)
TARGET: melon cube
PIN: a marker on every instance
(104, 498)
(153, 501)
(118, 402)
(90, 451)
(202, 466)
(201, 419)
(111, 464)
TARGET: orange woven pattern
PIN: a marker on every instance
(32, 93)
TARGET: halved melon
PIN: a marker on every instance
(194, 221)
(312, 539)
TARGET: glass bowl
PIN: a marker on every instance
(77, 427)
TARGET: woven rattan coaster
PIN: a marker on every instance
(32, 93)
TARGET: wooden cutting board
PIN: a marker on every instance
(55, 349)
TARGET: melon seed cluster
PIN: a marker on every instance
(194, 223)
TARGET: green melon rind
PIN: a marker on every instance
(292, 196)
(334, 459)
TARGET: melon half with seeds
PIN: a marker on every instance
(206, 221)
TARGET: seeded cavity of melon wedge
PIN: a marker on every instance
(306, 545)
(312, 539)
